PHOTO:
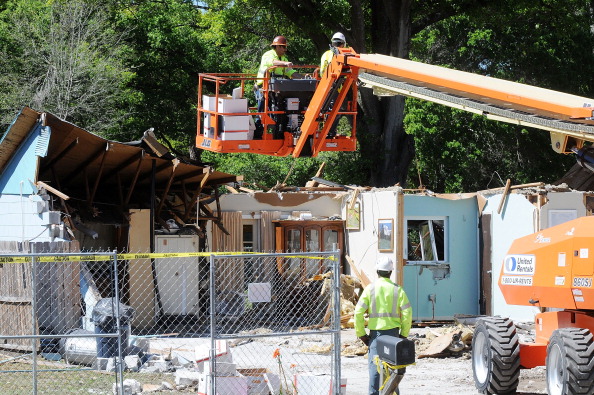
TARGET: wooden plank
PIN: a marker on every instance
(319, 173)
(52, 190)
(360, 274)
(14, 300)
(504, 197)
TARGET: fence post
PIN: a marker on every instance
(33, 315)
(213, 352)
(336, 321)
(120, 360)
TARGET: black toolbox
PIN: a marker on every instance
(395, 350)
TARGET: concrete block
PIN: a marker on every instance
(112, 364)
(187, 377)
(221, 368)
(131, 387)
(100, 364)
(132, 362)
(225, 385)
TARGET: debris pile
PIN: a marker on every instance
(445, 341)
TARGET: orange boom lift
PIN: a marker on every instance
(300, 115)
(551, 269)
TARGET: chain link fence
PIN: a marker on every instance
(107, 323)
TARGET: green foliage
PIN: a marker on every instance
(63, 57)
(167, 52)
(459, 152)
(264, 172)
(522, 41)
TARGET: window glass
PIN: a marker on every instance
(426, 240)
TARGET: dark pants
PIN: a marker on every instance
(259, 94)
(374, 376)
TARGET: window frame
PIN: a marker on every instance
(446, 236)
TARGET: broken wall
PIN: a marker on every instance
(523, 214)
(518, 218)
(448, 284)
(439, 286)
(279, 206)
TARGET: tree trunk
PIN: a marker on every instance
(382, 138)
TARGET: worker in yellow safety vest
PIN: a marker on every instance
(274, 57)
(338, 41)
(389, 313)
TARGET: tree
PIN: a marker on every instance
(521, 41)
(170, 41)
(385, 147)
(62, 57)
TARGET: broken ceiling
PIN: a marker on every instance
(90, 175)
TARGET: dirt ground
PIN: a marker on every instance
(431, 376)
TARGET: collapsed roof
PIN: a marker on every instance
(85, 171)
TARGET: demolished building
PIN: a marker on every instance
(63, 189)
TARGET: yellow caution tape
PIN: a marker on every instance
(105, 257)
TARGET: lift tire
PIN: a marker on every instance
(496, 356)
(570, 362)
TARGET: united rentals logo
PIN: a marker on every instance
(519, 264)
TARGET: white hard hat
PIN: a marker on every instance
(338, 36)
(384, 264)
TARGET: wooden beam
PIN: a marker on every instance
(63, 196)
(504, 197)
(519, 186)
(98, 176)
(318, 189)
(175, 163)
(175, 213)
(195, 196)
(360, 274)
(67, 217)
(353, 199)
(399, 237)
(70, 176)
(232, 190)
(134, 180)
(319, 173)
(216, 218)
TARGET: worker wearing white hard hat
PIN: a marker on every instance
(389, 313)
(338, 41)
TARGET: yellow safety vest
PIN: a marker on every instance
(387, 305)
(267, 61)
(325, 61)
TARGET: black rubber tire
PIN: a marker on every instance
(496, 356)
(570, 362)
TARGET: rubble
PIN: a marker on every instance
(131, 387)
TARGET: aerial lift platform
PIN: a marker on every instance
(299, 115)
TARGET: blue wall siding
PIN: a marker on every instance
(458, 292)
(22, 167)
